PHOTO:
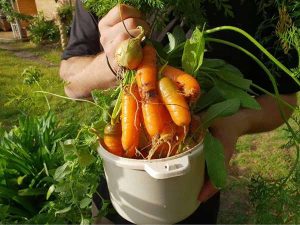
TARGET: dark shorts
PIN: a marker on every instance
(207, 212)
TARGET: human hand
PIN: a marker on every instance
(113, 32)
(227, 130)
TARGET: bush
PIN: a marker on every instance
(43, 31)
(65, 12)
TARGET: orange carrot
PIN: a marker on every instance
(130, 118)
(152, 108)
(175, 103)
(146, 72)
(147, 81)
(112, 139)
(185, 82)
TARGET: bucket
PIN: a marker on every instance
(160, 191)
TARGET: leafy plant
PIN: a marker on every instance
(273, 202)
(42, 30)
(65, 12)
(48, 172)
(191, 14)
(29, 155)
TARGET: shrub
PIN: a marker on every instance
(43, 31)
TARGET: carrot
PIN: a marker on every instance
(146, 72)
(175, 103)
(147, 82)
(130, 118)
(152, 108)
(112, 139)
(185, 82)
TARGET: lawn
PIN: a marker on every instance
(258, 156)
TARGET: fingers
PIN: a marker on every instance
(208, 190)
(130, 23)
(118, 13)
(110, 43)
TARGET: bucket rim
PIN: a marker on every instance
(139, 164)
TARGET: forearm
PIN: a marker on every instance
(85, 73)
(266, 119)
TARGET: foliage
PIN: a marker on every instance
(42, 30)
(65, 12)
(48, 171)
(29, 155)
(56, 165)
(192, 14)
(31, 75)
(275, 203)
(10, 13)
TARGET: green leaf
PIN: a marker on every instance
(215, 161)
(50, 191)
(213, 63)
(62, 211)
(175, 39)
(85, 221)
(222, 109)
(193, 52)
(172, 42)
(32, 191)
(85, 158)
(61, 172)
(229, 69)
(20, 179)
(235, 80)
(85, 202)
(211, 97)
(69, 149)
(230, 91)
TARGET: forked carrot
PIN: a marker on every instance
(185, 82)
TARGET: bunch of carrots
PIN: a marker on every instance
(155, 114)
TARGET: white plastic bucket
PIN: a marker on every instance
(160, 191)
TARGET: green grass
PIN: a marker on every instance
(260, 155)
(17, 98)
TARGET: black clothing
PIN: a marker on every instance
(85, 40)
(84, 37)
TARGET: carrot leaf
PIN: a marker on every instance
(222, 109)
(213, 96)
(229, 91)
(193, 52)
(215, 161)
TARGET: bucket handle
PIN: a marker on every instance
(168, 169)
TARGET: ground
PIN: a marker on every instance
(256, 154)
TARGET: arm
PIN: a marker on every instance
(246, 121)
(83, 74)
(87, 72)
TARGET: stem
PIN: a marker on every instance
(48, 104)
(73, 99)
(117, 108)
(272, 95)
(258, 45)
(296, 143)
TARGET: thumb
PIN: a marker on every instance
(208, 190)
